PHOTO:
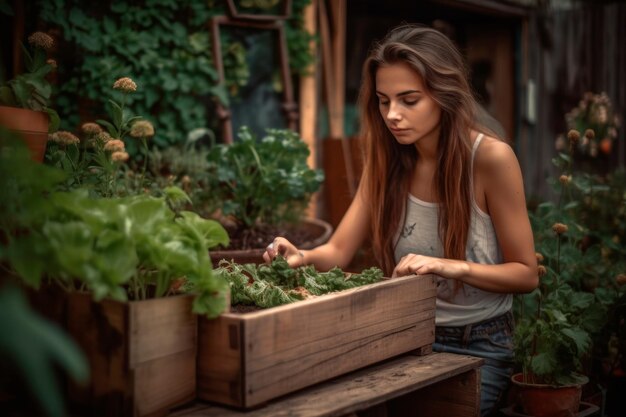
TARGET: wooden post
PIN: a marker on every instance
(309, 101)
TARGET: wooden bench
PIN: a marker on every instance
(438, 384)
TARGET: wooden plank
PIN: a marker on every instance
(286, 327)
(161, 327)
(150, 387)
(165, 382)
(247, 359)
(220, 361)
(317, 342)
(100, 329)
(298, 373)
(364, 389)
(456, 396)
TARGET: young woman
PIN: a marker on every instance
(439, 195)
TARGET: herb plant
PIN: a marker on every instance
(556, 323)
(261, 182)
(277, 283)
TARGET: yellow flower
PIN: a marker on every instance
(559, 228)
(114, 145)
(539, 257)
(589, 133)
(91, 128)
(64, 138)
(125, 84)
(119, 156)
(541, 271)
(565, 179)
(41, 40)
(142, 129)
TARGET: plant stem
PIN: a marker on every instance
(145, 160)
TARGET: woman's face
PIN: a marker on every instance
(410, 114)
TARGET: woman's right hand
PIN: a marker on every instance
(281, 246)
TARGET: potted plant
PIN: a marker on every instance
(259, 189)
(557, 321)
(24, 100)
(121, 261)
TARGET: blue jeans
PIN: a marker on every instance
(491, 340)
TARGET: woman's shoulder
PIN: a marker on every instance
(493, 155)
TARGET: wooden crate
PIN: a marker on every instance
(142, 354)
(247, 359)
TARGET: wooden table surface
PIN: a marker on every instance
(438, 384)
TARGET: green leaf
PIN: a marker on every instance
(543, 363)
(35, 347)
(579, 337)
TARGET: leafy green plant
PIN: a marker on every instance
(166, 46)
(277, 283)
(30, 89)
(33, 349)
(184, 165)
(260, 182)
(557, 322)
(133, 247)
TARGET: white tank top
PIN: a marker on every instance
(420, 235)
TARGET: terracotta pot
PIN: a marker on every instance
(541, 400)
(319, 228)
(31, 125)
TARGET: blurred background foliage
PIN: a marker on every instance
(164, 46)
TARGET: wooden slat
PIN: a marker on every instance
(220, 373)
(298, 373)
(333, 336)
(100, 328)
(369, 387)
(161, 327)
(457, 396)
(150, 387)
(330, 315)
(165, 382)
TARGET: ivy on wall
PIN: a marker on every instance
(164, 46)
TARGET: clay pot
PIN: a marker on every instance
(319, 228)
(31, 125)
(541, 400)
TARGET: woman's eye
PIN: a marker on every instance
(383, 103)
(410, 102)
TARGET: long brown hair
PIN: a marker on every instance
(389, 165)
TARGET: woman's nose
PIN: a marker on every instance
(393, 113)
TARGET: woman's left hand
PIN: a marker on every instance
(420, 265)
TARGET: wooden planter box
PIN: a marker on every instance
(247, 359)
(142, 354)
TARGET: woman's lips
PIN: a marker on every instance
(397, 131)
